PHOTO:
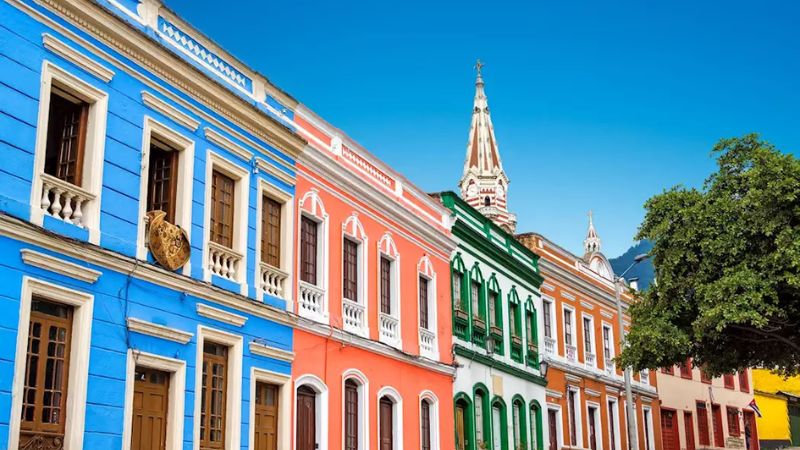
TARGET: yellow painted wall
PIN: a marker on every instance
(774, 425)
(766, 381)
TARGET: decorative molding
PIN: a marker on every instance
(221, 315)
(25, 232)
(70, 54)
(548, 287)
(591, 392)
(155, 103)
(567, 296)
(586, 304)
(228, 144)
(159, 331)
(612, 390)
(572, 378)
(261, 349)
(553, 393)
(53, 264)
(606, 314)
(275, 171)
(499, 365)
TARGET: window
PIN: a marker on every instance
(548, 327)
(222, 201)
(425, 425)
(386, 424)
(386, 285)
(648, 429)
(716, 421)
(733, 421)
(66, 136)
(668, 370)
(728, 381)
(686, 369)
(704, 376)
(463, 432)
(607, 346)
(613, 413)
(494, 321)
(350, 270)
(702, 424)
(213, 398)
(351, 419)
(744, 382)
(423, 303)
(475, 294)
(308, 250)
(271, 231)
(568, 327)
(588, 346)
(480, 420)
(162, 178)
(518, 420)
(514, 319)
(458, 282)
(46, 373)
(573, 423)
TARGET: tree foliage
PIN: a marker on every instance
(727, 260)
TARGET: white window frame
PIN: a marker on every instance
(363, 406)
(578, 414)
(433, 400)
(598, 423)
(287, 233)
(573, 331)
(612, 349)
(241, 208)
(233, 393)
(648, 418)
(617, 444)
(93, 154)
(320, 407)
(551, 313)
(397, 415)
(425, 270)
(353, 230)
(183, 192)
(387, 249)
(83, 305)
(311, 207)
(284, 383)
(176, 396)
(592, 338)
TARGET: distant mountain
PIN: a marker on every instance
(644, 270)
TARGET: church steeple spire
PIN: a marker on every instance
(484, 183)
(592, 242)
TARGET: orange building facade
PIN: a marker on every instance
(585, 391)
(373, 366)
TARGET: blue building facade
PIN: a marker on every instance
(108, 110)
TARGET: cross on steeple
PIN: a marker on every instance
(478, 66)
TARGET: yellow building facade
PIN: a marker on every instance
(779, 402)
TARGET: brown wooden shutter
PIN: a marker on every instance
(386, 438)
(44, 396)
(308, 250)
(265, 429)
(150, 406)
(162, 179)
(423, 302)
(66, 136)
(222, 201)
(214, 396)
(461, 437)
(306, 427)
(716, 421)
(688, 430)
(386, 285)
(271, 231)
(425, 428)
(350, 270)
(702, 425)
(350, 415)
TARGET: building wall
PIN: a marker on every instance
(773, 427)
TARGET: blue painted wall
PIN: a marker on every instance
(117, 294)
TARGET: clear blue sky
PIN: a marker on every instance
(596, 105)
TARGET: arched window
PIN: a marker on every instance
(483, 416)
(495, 314)
(425, 424)
(499, 421)
(487, 201)
(390, 420)
(313, 257)
(515, 324)
(464, 424)
(460, 300)
(535, 420)
(311, 414)
(518, 423)
(477, 296)
(531, 334)
(354, 411)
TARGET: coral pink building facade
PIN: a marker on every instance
(373, 365)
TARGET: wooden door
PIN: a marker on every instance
(551, 425)
(592, 429)
(750, 430)
(688, 426)
(716, 421)
(386, 440)
(265, 429)
(150, 404)
(461, 438)
(669, 430)
(306, 437)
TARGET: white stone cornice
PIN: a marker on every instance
(553, 393)
(25, 232)
(63, 50)
(159, 331)
(228, 144)
(591, 392)
(53, 264)
(261, 349)
(221, 315)
(276, 172)
(155, 103)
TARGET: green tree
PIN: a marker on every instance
(727, 260)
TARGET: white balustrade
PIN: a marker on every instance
(312, 300)
(389, 328)
(272, 279)
(353, 316)
(590, 359)
(427, 343)
(64, 200)
(571, 352)
(549, 345)
(223, 262)
(611, 368)
(644, 376)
